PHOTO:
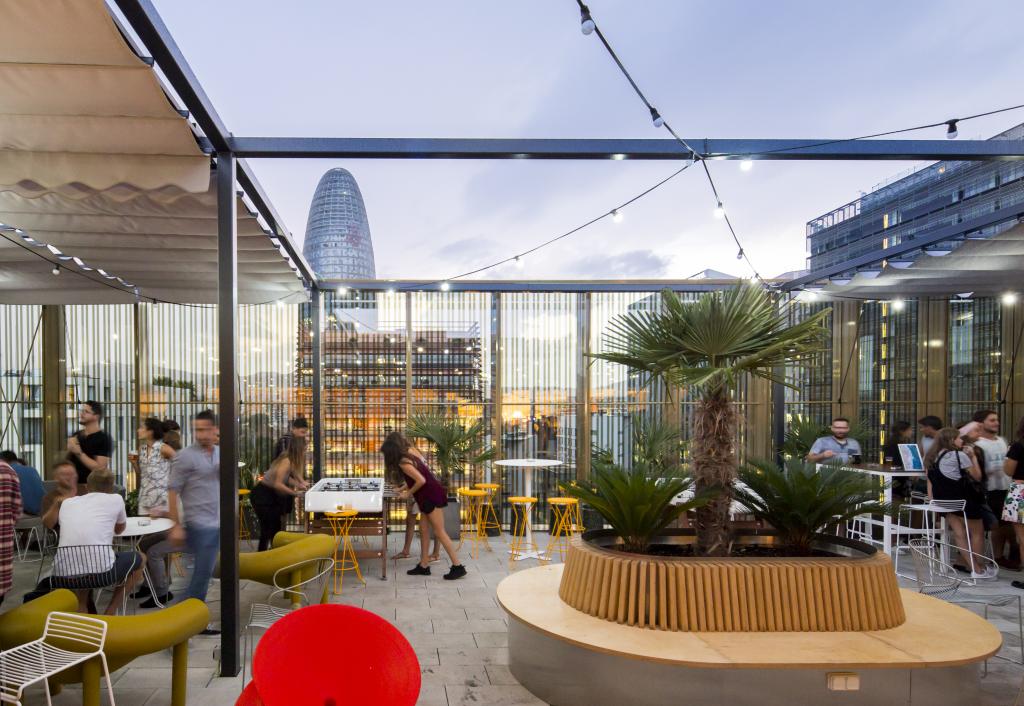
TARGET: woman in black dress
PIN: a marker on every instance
(274, 496)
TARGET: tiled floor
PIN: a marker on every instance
(457, 629)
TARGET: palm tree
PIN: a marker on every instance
(708, 346)
(457, 445)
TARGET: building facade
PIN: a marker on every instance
(938, 195)
(338, 244)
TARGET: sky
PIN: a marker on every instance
(463, 68)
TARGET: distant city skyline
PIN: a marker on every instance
(724, 69)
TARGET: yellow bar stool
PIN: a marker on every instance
(488, 515)
(522, 545)
(474, 499)
(341, 523)
(567, 525)
(243, 525)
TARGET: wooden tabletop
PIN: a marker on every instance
(936, 634)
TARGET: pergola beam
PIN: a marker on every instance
(620, 149)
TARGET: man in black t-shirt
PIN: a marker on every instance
(90, 449)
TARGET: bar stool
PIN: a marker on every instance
(933, 526)
(567, 524)
(341, 523)
(474, 501)
(243, 525)
(489, 516)
(522, 545)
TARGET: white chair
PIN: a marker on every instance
(933, 524)
(40, 659)
(936, 578)
(27, 529)
(263, 615)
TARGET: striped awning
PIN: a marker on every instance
(101, 176)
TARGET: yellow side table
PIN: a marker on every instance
(341, 522)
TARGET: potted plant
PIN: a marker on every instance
(708, 346)
(458, 446)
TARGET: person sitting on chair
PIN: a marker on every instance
(91, 521)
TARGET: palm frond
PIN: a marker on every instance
(457, 445)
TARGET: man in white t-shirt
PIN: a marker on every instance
(85, 558)
(994, 448)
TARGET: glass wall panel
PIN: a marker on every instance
(810, 390)
(21, 382)
(975, 359)
(887, 370)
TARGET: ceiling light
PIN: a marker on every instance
(445, 286)
(587, 25)
(746, 165)
(56, 270)
(900, 264)
(870, 272)
(898, 304)
(840, 280)
(1009, 299)
(739, 254)
(951, 131)
(937, 252)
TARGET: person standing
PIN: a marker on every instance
(1013, 508)
(927, 429)
(90, 449)
(195, 481)
(272, 498)
(993, 450)
(152, 465)
(172, 434)
(299, 429)
(32, 489)
(405, 464)
(837, 447)
(10, 511)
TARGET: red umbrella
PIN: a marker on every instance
(333, 655)
(249, 697)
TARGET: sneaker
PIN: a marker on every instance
(456, 572)
(1017, 584)
(210, 631)
(164, 599)
(419, 571)
(143, 592)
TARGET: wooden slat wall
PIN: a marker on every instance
(730, 595)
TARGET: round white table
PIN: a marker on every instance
(135, 530)
(528, 465)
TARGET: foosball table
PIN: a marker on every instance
(370, 497)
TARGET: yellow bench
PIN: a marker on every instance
(287, 548)
(128, 637)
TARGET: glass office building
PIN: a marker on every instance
(338, 244)
(935, 196)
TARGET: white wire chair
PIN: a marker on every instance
(939, 579)
(37, 661)
(931, 512)
(26, 529)
(263, 615)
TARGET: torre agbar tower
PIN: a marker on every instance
(338, 244)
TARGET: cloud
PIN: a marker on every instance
(632, 264)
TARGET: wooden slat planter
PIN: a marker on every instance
(733, 594)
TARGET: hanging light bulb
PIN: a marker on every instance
(656, 117)
(617, 215)
(445, 286)
(719, 210)
(1009, 299)
(56, 270)
(587, 25)
(746, 165)
(898, 304)
(739, 255)
(951, 131)
(518, 262)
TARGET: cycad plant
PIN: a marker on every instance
(708, 346)
(458, 445)
(799, 501)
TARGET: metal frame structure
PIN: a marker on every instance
(230, 152)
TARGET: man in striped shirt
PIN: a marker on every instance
(10, 511)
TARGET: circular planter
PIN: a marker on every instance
(855, 591)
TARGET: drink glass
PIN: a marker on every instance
(888, 462)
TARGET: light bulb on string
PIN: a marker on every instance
(55, 271)
(445, 286)
(951, 131)
(617, 215)
(719, 210)
(518, 262)
(587, 24)
(656, 118)
(740, 254)
(746, 165)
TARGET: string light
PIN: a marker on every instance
(898, 304)
(720, 213)
(951, 131)
(587, 25)
(746, 165)
(1009, 299)
(445, 286)
(617, 215)
(656, 118)
(740, 254)
(55, 271)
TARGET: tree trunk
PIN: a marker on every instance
(713, 456)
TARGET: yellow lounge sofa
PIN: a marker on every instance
(128, 637)
(287, 548)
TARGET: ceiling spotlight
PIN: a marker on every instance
(719, 210)
(1009, 299)
(951, 131)
(900, 264)
(840, 280)
(746, 165)
(56, 270)
(587, 25)
(656, 117)
(616, 215)
(445, 286)
(898, 304)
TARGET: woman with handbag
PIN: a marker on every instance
(953, 474)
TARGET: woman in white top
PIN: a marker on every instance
(152, 466)
(954, 474)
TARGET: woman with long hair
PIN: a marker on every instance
(172, 434)
(405, 466)
(152, 464)
(951, 470)
(1013, 506)
(274, 495)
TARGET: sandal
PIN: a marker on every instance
(400, 555)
